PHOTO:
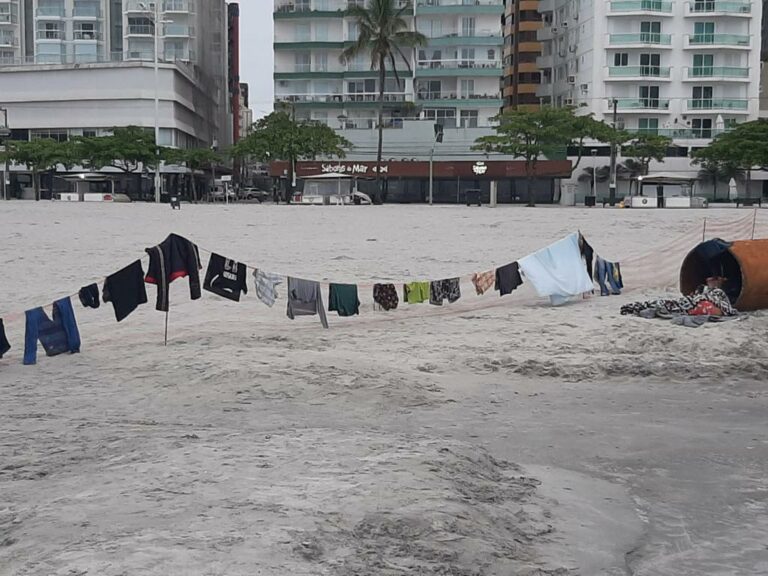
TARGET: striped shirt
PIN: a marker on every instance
(266, 286)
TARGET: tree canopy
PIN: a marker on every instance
(646, 147)
(39, 156)
(127, 149)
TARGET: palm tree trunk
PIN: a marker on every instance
(36, 183)
(714, 189)
(379, 181)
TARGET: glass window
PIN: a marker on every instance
(469, 118)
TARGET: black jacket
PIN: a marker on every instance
(175, 257)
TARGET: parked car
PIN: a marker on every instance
(253, 194)
(217, 195)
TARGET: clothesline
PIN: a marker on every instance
(636, 261)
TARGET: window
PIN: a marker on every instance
(321, 62)
(702, 97)
(650, 32)
(353, 30)
(302, 32)
(467, 88)
(321, 31)
(302, 62)
(702, 127)
(702, 65)
(467, 27)
(648, 125)
(650, 64)
(86, 53)
(430, 90)
(467, 57)
(649, 96)
(443, 116)
(469, 119)
(50, 134)
(620, 59)
(703, 33)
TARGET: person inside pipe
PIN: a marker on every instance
(709, 299)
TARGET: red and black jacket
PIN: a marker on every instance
(175, 257)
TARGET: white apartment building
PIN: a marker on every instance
(453, 80)
(74, 67)
(684, 69)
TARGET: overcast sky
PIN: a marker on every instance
(256, 59)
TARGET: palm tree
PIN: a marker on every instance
(383, 33)
(714, 172)
(601, 174)
(629, 170)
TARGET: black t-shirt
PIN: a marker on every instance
(225, 277)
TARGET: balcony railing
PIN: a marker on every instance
(86, 11)
(8, 18)
(719, 40)
(459, 3)
(642, 104)
(456, 96)
(141, 30)
(178, 30)
(662, 6)
(679, 133)
(712, 104)
(639, 71)
(178, 6)
(358, 97)
(719, 6)
(8, 40)
(50, 35)
(641, 38)
(718, 72)
(50, 12)
(458, 64)
(87, 35)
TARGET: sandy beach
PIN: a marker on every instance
(491, 437)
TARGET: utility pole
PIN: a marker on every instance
(4, 133)
(612, 189)
(438, 138)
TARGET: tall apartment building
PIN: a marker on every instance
(453, 80)
(523, 23)
(685, 69)
(73, 67)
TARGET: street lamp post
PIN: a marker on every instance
(154, 16)
(438, 138)
(594, 172)
(4, 132)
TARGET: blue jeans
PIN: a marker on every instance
(604, 272)
(57, 336)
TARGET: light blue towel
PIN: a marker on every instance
(558, 271)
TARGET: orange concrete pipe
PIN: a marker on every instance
(752, 256)
(752, 259)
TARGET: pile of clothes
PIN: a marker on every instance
(707, 304)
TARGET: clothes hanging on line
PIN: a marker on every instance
(266, 286)
(89, 296)
(608, 276)
(385, 295)
(57, 335)
(225, 278)
(4, 345)
(507, 279)
(558, 271)
(587, 252)
(416, 292)
(447, 289)
(175, 257)
(305, 299)
(484, 281)
(126, 290)
(342, 298)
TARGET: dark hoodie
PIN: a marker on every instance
(175, 257)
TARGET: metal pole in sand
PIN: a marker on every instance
(754, 222)
(704, 231)
(166, 327)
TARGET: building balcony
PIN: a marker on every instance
(458, 68)
(459, 7)
(298, 9)
(640, 105)
(308, 45)
(50, 12)
(8, 41)
(55, 35)
(640, 7)
(179, 7)
(638, 72)
(8, 18)
(719, 8)
(178, 30)
(642, 40)
(679, 133)
(140, 30)
(87, 35)
(86, 12)
(480, 39)
(734, 41)
(718, 73)
(363, 99)
(711, 105)
(492, 100)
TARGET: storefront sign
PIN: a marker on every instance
(479, 168)
(361, 169)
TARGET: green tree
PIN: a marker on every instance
(279, 137)
(127, 149)
(383, 34)
(195, 159)
(39, 156)
(598, 174)
(531, 135)
(646, 147)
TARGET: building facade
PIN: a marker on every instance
(81, 67)
(523, 33)
(453, 80)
